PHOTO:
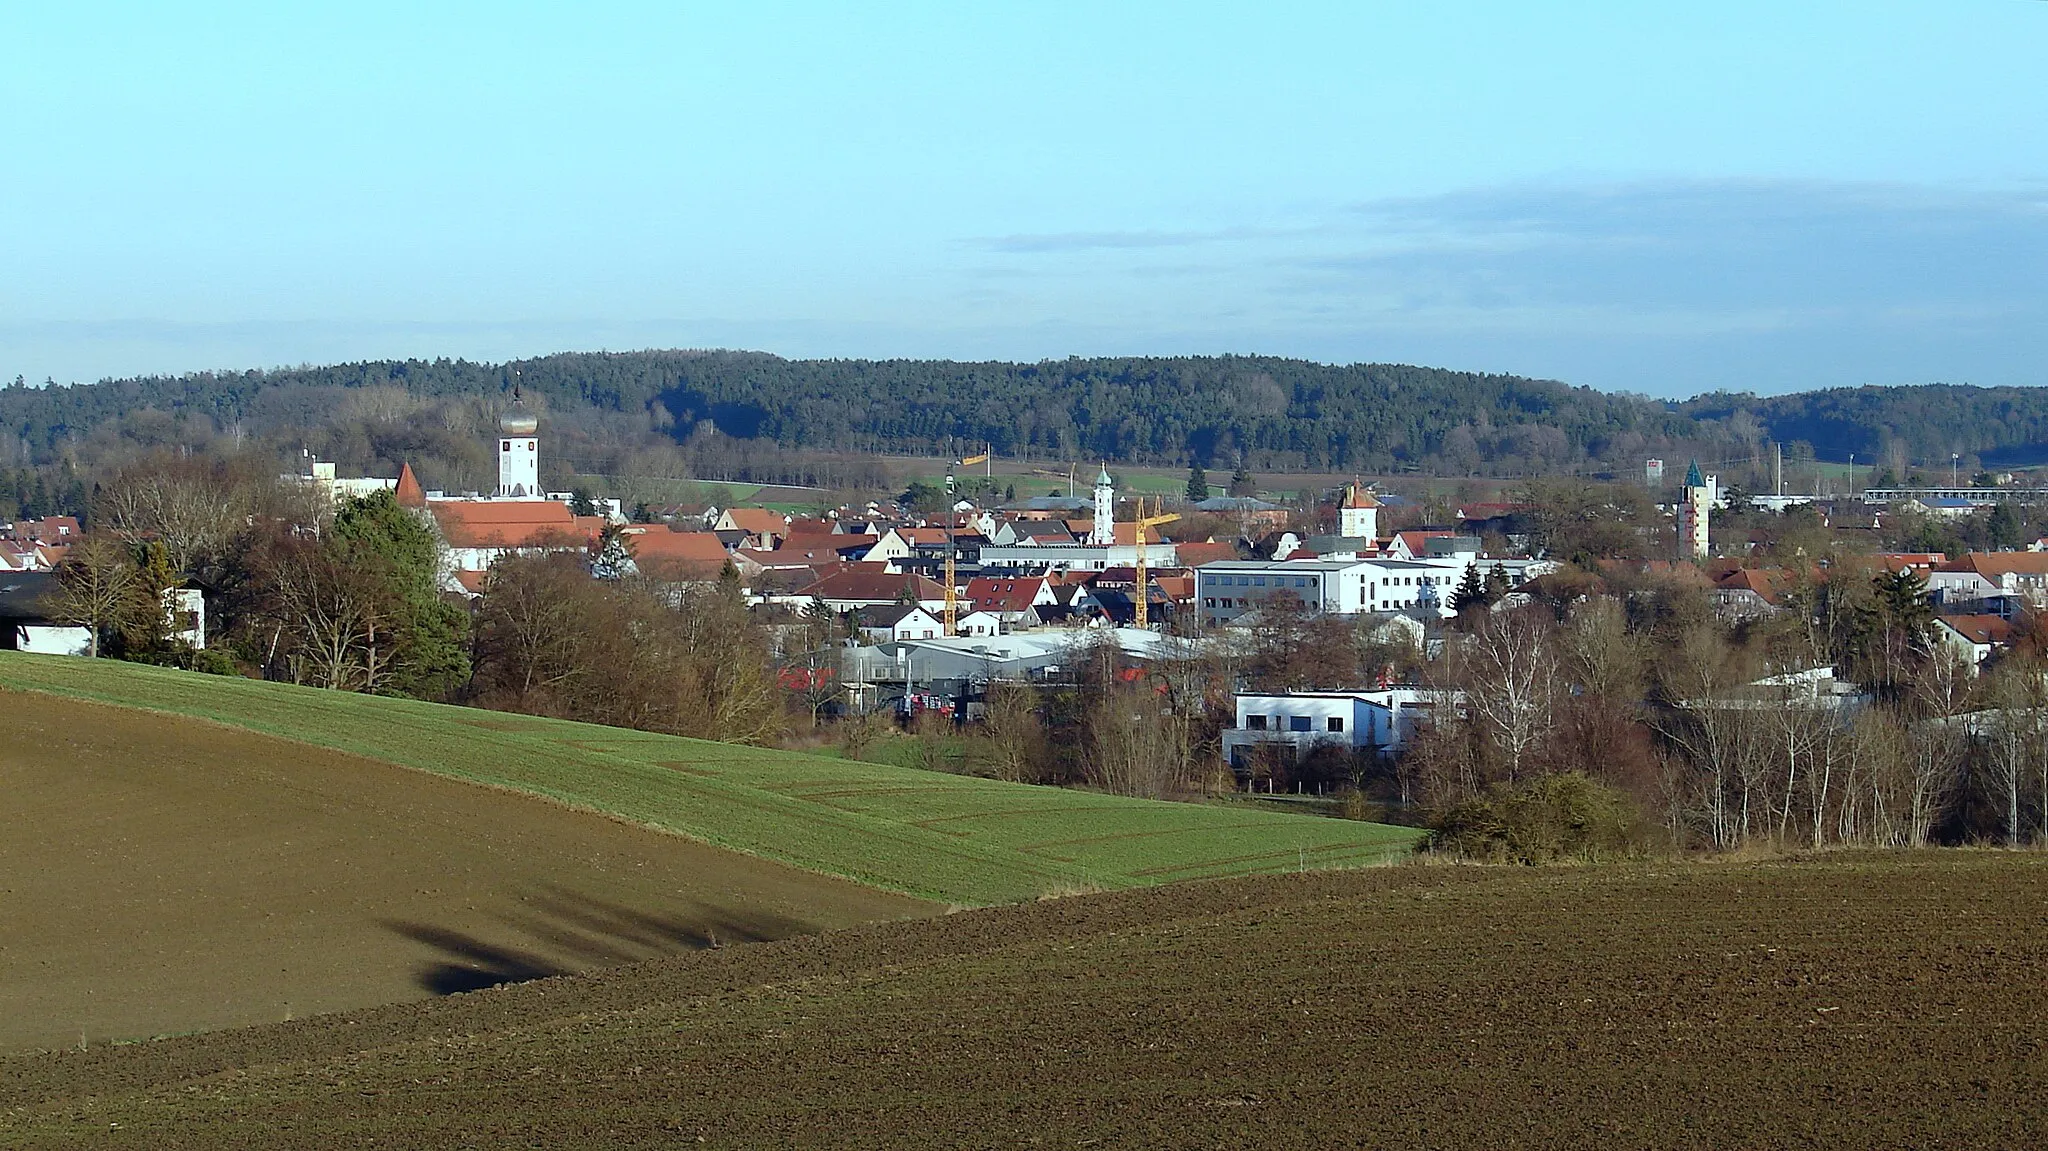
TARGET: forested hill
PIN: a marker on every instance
(1278, 414)
(1288, 412)
(2002, 426)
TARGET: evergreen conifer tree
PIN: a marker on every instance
(1470, 592)
(614, 559)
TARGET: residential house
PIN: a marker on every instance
(764, 528)
(677, 556)
(1980, 575)
(1750, 593)
(889, 623)
(979, 623)
(1010, 599)
(26, 622)
(846, 589)
(1974, 637)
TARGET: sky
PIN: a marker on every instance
(1659, 198)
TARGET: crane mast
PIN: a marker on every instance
(1142, 604)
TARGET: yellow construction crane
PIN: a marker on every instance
(988, 469)
(952, 590)
(1142, 592)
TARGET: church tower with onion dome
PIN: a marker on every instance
(518, 452)
(1103, 533)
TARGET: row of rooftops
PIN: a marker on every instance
(37, 545)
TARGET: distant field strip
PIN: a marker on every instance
(952, 838)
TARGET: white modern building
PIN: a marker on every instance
(1227, 589)
(1382, 721)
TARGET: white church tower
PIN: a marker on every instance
(1694, 510)
(1359, 515)
(518, 452)
(1104, 532)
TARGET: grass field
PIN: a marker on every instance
(948, 838)
(1847, 1002)
(160, 874)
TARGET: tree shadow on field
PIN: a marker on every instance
(558, 932)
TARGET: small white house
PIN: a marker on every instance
(979, 623)
(897, 622)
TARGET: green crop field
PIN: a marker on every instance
(952, 838)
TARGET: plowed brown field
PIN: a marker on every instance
(1854, 1002)
(160, 874)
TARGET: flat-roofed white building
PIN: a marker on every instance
(1381, 721)
(1227, 589)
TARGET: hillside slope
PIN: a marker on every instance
(1851, 1002)
(160, 874)
(949, 838)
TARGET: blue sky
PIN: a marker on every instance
(1745, 195)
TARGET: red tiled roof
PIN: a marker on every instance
(988, 593)
(408, 492)
(1992, 565)
(1197, 554)
(754, 521)
(658, 551)
(1416, 539)
(1986, 629)
(822, 548)
(879, 586)
(512, 524)
(1766, 584)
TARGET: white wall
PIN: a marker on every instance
(51, 639)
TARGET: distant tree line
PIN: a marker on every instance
(757, 417)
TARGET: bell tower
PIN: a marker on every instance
(1359, 515)
(1103, 534)
(518, 451)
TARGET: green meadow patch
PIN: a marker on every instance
(952, 838)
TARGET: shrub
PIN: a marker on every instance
(1557, 817)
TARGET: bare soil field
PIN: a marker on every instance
(1848, 1001)
(160, 874)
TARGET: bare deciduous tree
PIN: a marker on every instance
(97, 589)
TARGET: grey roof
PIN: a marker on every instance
(885, 615)
(1235, 504)
(22, 593)
(1050, 504)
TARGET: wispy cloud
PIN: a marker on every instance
(1037, 242)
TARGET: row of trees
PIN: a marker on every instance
(1729, 738)
(350, 598)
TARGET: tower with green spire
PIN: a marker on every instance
(1695, 507)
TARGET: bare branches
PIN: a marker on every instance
(98, 588)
